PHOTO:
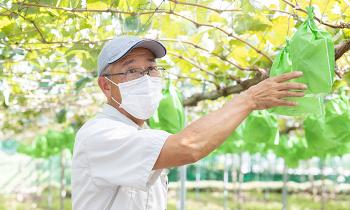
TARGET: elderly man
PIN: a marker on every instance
(118, 162)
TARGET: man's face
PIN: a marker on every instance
(137, 58)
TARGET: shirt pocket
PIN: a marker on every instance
(138, 199)
(122, 200)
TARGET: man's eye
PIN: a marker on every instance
(132, 71)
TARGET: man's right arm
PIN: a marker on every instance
(207, 133)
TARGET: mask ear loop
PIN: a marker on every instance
(113, 99)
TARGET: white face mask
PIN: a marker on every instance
(140, 97)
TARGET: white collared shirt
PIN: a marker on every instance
(112, 165)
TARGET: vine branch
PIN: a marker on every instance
(110, 10)
(296, 7)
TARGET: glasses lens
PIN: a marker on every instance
(131, 75)
(153, 72)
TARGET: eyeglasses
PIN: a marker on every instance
(135, 73)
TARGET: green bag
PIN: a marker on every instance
(292, 149)
(337, 119)
(52, 143)
(24, 149)
(55, 141)
(233, 144)
(260, 127)
(40, 147)
(312, 52)
(329, 134)
(309, 104)
(170, 115)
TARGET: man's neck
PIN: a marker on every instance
(139, 122)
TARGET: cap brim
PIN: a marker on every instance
(154, 46)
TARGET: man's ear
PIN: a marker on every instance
(105, 86)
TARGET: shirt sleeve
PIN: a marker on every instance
(120, 156)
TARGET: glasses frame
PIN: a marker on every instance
(157, 68)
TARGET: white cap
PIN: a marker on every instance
(118, 47)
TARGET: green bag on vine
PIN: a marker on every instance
(292, 149)
(309, 104)
(311, 51)
(329, 134)
(24, 149)
(233, 144)
(337, 119)
(170, 115)
(55, 141)
(260, 127)
(40, 147)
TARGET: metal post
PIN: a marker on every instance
(285, 187)
(225, 181)
(183, 187)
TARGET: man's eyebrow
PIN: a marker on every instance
(133, 60)
(151, 59)
(128, 62)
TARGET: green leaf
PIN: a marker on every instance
(246, 22)
(346, 78)
(61, 116)
(132, 23)
(97, 4)
(82, 82)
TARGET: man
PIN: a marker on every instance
(118, 162)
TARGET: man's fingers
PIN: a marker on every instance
(274, 91)
(285, 94)
(288, 76)
(292, 86)
(281, 102)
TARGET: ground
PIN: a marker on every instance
(252, 200)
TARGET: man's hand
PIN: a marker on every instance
(207, 133)
(272, 91)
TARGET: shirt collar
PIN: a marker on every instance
(115, 114)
